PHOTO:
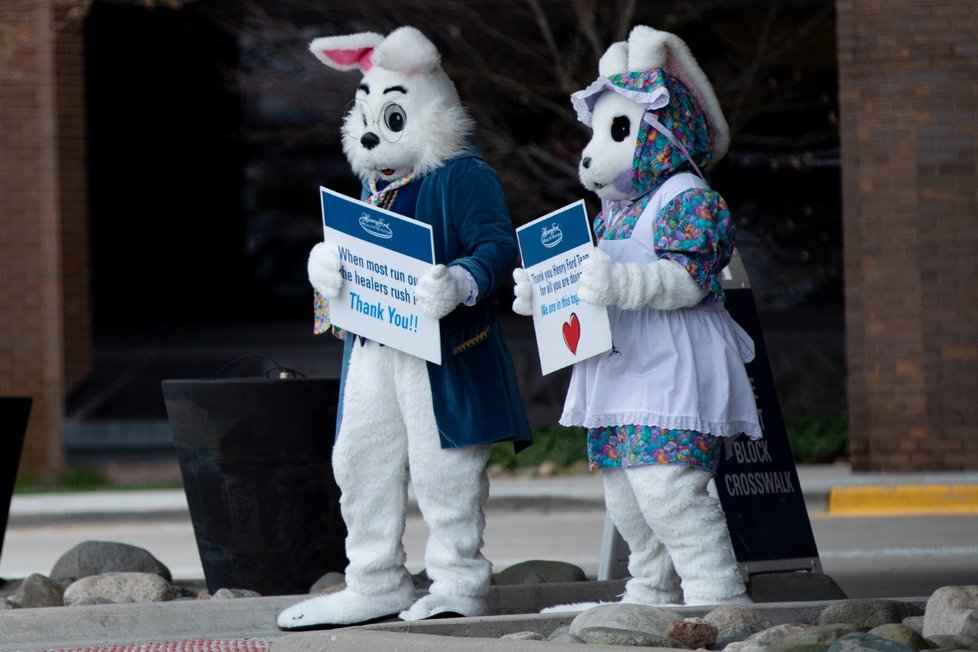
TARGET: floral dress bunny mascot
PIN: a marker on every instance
(409, 139)
(658, 406)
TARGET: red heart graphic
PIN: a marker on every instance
(572, 332)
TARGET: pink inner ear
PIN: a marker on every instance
(351, 57)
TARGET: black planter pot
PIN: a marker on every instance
(254, 454)
(14, 413)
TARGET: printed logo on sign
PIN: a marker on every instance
(551, 236)
(376, 226)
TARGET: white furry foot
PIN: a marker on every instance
(435, 604)
(743, 598)
(346, 607)
(573, 607)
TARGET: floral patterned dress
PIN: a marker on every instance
(675, 383)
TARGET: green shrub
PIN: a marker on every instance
(563, 446)
(818, 439)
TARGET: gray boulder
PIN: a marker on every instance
(902, 634)
(97, 557)
(38, 591)
(537, 571)
(626, 638)
(948, 610)
(815, 638)
(629, 617)
(524, 636)
(863, 642)
(328, 581)
(120, 588)
(867, 614)
(562, 635)
(230, 594)
(767, 639)
(735, 623)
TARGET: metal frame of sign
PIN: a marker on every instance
(770, 530)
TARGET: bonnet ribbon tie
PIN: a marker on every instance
(658, 126)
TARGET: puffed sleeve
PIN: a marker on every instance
(695, 230)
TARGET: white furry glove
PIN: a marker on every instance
(663, 284)
(324, 270)
(440, 290)
(522, 304)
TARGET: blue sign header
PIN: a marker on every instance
(377, 226)
(554, 234)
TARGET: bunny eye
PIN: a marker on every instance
(620, 127)
(394, 117)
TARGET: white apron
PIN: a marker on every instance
(675, 369)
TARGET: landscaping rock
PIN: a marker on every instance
(736, 615)
(916, 623)
(524, 636)
(120, 588)
(327, 582)
(562, 635)
(901, 634)
(732, 634)
(815, 638)
(98, 557)
(628, 617)
(768, 638)
(230, 594)
(7, 604)
(626, 638)
(948, 609)
(863, 642)
(536, 571)
(38, 591)
(87, 602)
(868, 613)
(693, 633)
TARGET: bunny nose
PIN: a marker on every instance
(586, 162)
(369, 140)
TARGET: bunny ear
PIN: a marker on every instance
(349, 52)
(406, 49)
(649, 48)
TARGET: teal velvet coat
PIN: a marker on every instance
(475, 393)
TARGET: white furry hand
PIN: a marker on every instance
(597, 280)
(523, 303)
(324, 270)
(439, 292)
(661, 284)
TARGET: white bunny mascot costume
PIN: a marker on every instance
(409, 139)
(659, 405)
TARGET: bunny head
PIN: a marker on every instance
(652, 113)
(406, 116)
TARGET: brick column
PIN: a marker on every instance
(908, 96)
(43, 251)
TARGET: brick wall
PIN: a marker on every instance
(908, 95)
(43, 218)
(73, 194)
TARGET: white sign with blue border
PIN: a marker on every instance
(553, 248)
(383, 256)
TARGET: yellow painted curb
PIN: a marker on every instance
(904, 499)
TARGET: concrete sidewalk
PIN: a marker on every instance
(822, 485)
(254, 618)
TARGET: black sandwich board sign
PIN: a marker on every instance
(757, 481)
